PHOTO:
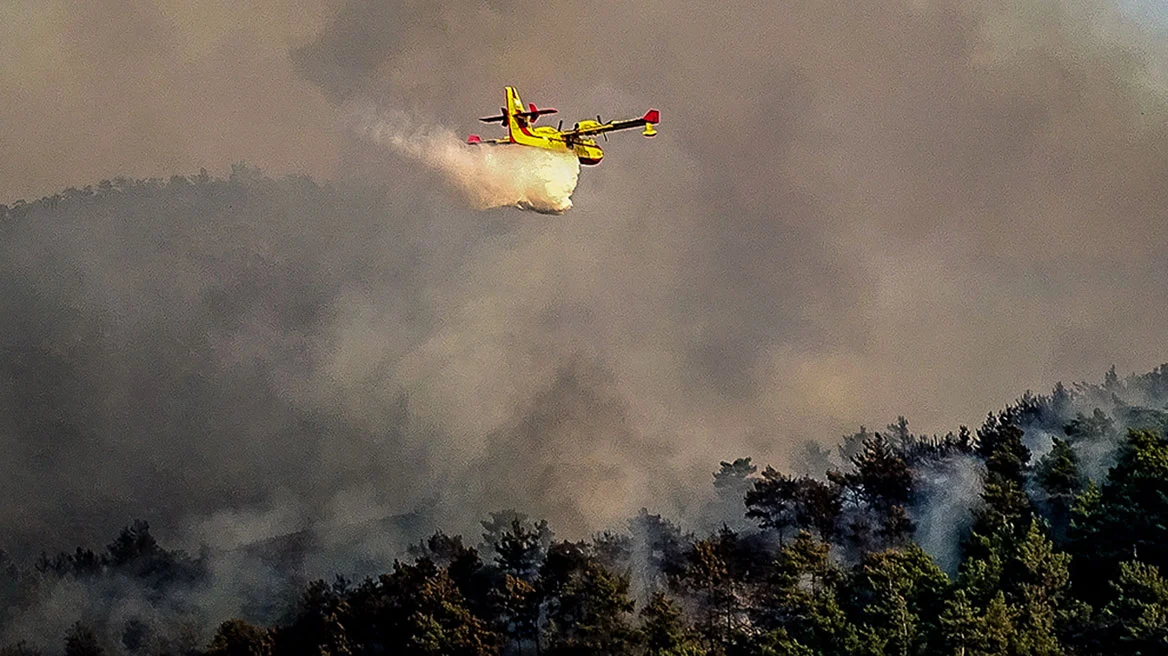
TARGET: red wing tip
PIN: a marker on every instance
(652, 116)
(474, 139)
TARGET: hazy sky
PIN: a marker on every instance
(853, 210)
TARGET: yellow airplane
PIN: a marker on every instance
(521, 130)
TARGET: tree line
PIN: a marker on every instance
(1053, 562)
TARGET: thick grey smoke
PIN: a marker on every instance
(855, 211)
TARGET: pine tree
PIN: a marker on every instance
(1136, 619)
(895, 595)
(800, 600)
(663, 629)
(1060, 480)
(1127, 519)
(773, 502)
(81, 640)
(880, 487)
(1036, 581)
(520, 548)
(238, 638)
(731, 484)
(319, 625)
(1006, 511)
(440, 624)
(713, 579)
(591, 613)
(967, 630)
(516, 610)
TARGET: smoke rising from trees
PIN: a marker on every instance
(852, 212)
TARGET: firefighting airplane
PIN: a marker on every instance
(579, 140)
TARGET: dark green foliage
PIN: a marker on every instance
(1136, 620)
(416, 609)
(1006, 505)
(733, 478)
(879, 488)
(881, 479)
(779, 502)
(518, 544)
(772, 502)
(588, 608)
(999, 442)
(1132, 513)
(1097, 427)
(895, 595)
(238, 638)
(731, 482)
(612, 546)
(801, 601)
(81, 640)
(1061, 481)
(1125, 520)
(832, 570)
(319, 624)
(899, 436)
(970, 631)
(515, 608)
(716, 577)
(1032, 579)
(664, 631)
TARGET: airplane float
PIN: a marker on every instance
(579, 140)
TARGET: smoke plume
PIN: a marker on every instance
(488, 175)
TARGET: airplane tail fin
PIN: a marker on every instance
(514, 108)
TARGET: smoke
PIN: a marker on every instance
(488, 175)
(949, 491)
(916, 208)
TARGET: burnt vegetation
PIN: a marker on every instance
(1063, 549)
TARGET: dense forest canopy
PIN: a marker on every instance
(1039, 532)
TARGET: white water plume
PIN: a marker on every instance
(488, 176)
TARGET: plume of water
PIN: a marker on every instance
(487, 176)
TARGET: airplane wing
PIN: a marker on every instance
(501, 119)
(535, 112)
(652, 116)
(532, 115)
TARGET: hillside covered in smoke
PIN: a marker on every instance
(853, 211)
(1040, 532)
(173, 359)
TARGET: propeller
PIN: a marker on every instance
(600, 121)
(560, 127)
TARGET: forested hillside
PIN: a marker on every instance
(1043, 531)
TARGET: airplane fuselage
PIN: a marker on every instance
(543, 136)
(579, 141)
